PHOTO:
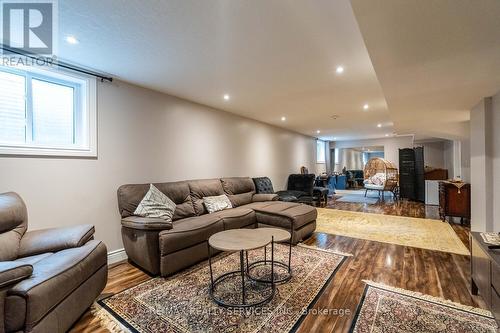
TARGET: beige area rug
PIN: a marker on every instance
(181, 303)
(415, 232)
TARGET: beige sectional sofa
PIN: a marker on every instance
(161, 247)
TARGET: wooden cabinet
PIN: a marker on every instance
(485, 273)
(454, 201)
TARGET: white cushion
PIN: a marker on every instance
(374, 187)
(217, 203)
(156, 204)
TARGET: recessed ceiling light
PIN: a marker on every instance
(334, 139)
(379, 125)
(71, 40)
(283, 118)
(366, 107)
(318, 131)
(226, 97)
(339, 70)
(387, 135)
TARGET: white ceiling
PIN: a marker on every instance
(278, 57)
(435, 59)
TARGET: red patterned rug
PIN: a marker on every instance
(389, 310)
(181, 303)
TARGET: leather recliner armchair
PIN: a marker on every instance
(48, 278)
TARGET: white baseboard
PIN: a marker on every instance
(116, 256)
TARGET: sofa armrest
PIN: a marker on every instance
(264, 197)
(12, 272)
(146, 223)
(55, 239)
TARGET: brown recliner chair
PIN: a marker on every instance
(48, 278)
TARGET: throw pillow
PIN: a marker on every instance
(156, 204)
(217, 203)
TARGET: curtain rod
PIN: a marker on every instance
(58, 63)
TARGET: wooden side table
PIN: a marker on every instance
(454, 201)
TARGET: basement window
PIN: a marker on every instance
(45, 112)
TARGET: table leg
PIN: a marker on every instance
(246, 254)
(272, 261)
(242, 268)
(210, 265)
(265, 255)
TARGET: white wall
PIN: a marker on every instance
(433, 153)
(146, 136)
(495, 149)
(391, 145)
(481, 165)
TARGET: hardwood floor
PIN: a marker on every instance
(435, 273)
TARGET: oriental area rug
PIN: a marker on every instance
(182, 303)
(390, 310)
(407, 231)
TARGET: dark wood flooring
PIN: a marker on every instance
(435, 273)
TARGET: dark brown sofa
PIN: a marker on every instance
(165, 248)
(48, 278)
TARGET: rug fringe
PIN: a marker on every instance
(107, 320)
(430, 298)
(324, 250)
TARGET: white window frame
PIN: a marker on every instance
(85, 104)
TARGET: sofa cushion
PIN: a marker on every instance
(281, 214)
(155, 204)
(53, 279)
(237, 217)
(240, 190)
(204, 188)
(189, 232)
(130, 195)
(33, 259)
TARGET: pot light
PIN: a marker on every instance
(334, 139)
(387, 135)
(339, 70)
(283, 118)
(379, 125)
(71, 40)
(226, 97)
(366, 107)
(318, 131)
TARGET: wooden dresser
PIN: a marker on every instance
(454, 202)
(485, 273)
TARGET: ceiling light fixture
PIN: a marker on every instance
(366, 107)
(283, 118)
(318, 131)
(379, 125)
(71, 40)
(334, 139)
(339, 70)
(226, 97)
(387, 135)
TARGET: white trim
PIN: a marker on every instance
(116, 256)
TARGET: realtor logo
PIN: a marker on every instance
(29, 26)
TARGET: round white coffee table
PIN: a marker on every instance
(241, 240)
